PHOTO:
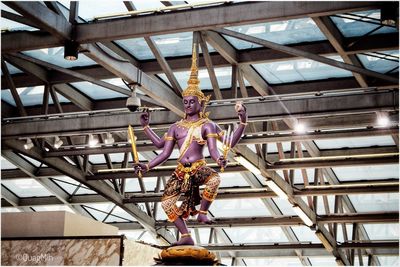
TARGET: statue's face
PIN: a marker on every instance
(191, 105)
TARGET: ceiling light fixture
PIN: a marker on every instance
(248, 165)
(109, 139)
(57, 142)
(29, 144)
(300, 128)
(274, 187)
(93, 140)
(383, 119)
(389, 14)
(303, 216)
(71, 50)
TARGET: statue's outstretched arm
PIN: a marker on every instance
(237, 134)
(163, 156)
(154, 138)
(242, 113)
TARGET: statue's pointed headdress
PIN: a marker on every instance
(193, 88)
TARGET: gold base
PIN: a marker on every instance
(186, 255)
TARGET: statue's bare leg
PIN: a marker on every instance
(209, 193)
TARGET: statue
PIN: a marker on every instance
(191, 134)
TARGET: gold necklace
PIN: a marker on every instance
(188, 124)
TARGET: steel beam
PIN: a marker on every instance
(74, 96)
(98, 186)
(43, 17)
(233, 193)
(258, 111)
(305, 163)
(127, 71)
(299, 53)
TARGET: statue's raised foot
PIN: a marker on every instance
(202, 218)
(185, 240)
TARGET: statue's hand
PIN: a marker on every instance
(241, 111)
(222, 162)
(140, 167)
(145, 118)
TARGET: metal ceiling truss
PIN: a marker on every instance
(325, 112)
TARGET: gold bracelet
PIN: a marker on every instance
(214, 135)
(147, 166)
(243, 123)
(185, 235)
(145, 127)
(168, 138)
(203, 212)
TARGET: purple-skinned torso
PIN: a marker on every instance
(195, 149)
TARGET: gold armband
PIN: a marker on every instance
(168, 138)
(147, 166)
(243, 123)
(214, 135)
(145, 127)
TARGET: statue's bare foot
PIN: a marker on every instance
(202, 218)
(184, 241)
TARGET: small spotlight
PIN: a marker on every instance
(29, 144)
(57, 142)
(109, 140)
(383, 120)
(71, 50)
(300, 128)
(93, 140)
(389, 14)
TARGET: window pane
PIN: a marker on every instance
(281, 32)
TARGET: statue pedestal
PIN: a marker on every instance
(186, 255)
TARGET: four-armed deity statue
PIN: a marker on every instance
(191, 134)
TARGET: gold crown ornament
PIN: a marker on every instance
(193, 82)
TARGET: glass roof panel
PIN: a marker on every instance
(387, 231)
(34, 162)
(54, 208)
(365, 141)
(118, 214)
(305, 234)
(281, 32)
(389, 260)
(26, 188)
(148, 4)
(170, 45)
(255, 234)
(132, 185)
(323, 261)
(89, 9)
(384, 61)
(299, 70)
(281, 261)
(137, 47)
(70, 185)
(12, 69)
(223, 76)
(97, 92)
(6, 165)
(97, 159)
(10, 25)
(377, 172)
(229, 179)
(360, 23)
(99, 210)
(30, 96)
(238, 208)
(375, 202)
(55, 56)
